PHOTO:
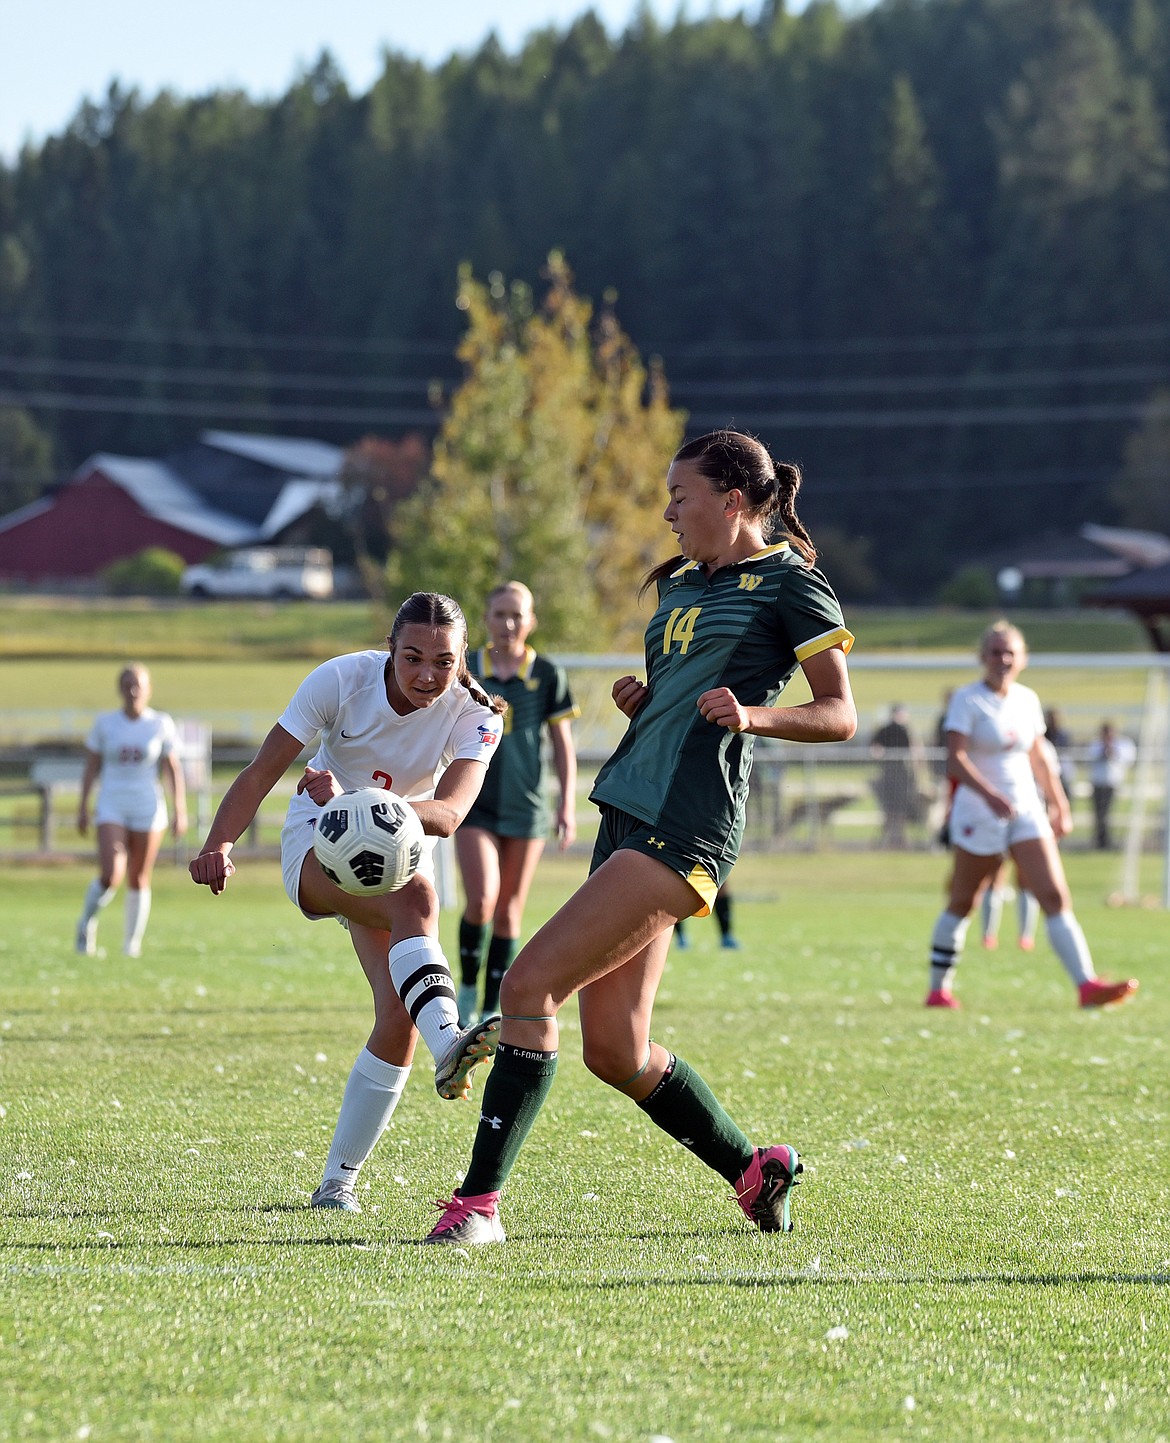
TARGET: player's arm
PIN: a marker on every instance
(565, 762)
(89, 775)
(1046, 770)
(213, 866)
(458, 788)
(961, 769)
(173, 782)
(831, 715)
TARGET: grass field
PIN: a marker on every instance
(982, 1246)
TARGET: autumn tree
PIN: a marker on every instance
(549, 464)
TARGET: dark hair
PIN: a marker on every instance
(733, 461)
(432, 608)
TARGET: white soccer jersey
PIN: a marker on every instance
(365, 743)
(1001, 732)
(131, 749)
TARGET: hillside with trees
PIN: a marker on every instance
(921, 249)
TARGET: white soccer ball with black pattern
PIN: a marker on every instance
(369, 842)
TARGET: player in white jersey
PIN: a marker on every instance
(998, 756)
(416, 723)
(128, 750)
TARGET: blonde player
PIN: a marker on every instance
(128, 749)
(997, 753)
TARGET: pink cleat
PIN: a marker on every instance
(1027, 944)
(764, 1189)
(991, 944)
(469, 1221)
(939, 998)
(1096, 993)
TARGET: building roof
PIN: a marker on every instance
(159, 492)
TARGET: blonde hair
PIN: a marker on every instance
(1002, 627)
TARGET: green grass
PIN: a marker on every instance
(982, 1227)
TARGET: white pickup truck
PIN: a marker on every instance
(277, 572)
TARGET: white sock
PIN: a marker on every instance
(946, 947)
(371, 1095)
(423, 980)
(1068, 942)
(1028, 913)
(96, 897)
(991, 910)
(137, 916)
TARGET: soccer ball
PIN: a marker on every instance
(369, 842)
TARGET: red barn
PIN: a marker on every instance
(228, 490)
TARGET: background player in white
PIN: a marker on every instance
(416, 723)
(128, 750)
(997, 754)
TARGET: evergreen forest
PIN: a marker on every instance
(920, 248)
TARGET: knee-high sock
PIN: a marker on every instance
(684, 1107)
(500, 952)
(946, 948)
(96, 897)
(1027, 914)
(1068, 942)
(371, 1095)
(422, 979)
(137, 916)
(991, 911)
(513, 1095)
(471, 939)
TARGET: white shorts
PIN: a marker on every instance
(296, 842)
(975, 828)
(135, 816)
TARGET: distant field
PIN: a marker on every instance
(982, 1249)
(117, 629)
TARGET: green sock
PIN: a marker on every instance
(514, 1093)
(500, 952)
(471, 937)
(685, 1107)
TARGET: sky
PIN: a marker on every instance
(56, 53)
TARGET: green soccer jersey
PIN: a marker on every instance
(512, 802)
(747, 627)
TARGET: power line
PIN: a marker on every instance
(225, 410)
(204, 376)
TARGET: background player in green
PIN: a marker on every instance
(502, 837)
(734, 621)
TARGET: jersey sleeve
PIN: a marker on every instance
(168, 735)
(561, 706)
(475, 734)
(958, 718)
(811, 615)
(93, 742)
(314, 705)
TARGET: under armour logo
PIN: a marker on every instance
(654, 842)
(495, 1123)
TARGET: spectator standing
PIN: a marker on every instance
(1110, 758)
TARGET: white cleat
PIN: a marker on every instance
(336, 1193)
(85, 942)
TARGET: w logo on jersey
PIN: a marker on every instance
(487, 735)
(748, 582)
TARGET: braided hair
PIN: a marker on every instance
(432, 608)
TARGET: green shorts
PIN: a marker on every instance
(690, 857)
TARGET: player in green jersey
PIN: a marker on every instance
(736, 617)
(502, 836)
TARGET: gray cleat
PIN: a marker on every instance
(335, 1192)
(474, 1045)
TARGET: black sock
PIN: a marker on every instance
(500, 952)
(514, 1093)
(722, 911)
(685, 1107)
(471, 937)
